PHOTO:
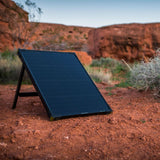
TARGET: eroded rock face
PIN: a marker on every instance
(17, 32)
(8, 10)
(127, 41)
(9, 14)
(60, 37)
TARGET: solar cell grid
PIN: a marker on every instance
(64, 86)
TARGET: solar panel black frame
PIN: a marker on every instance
(106, 108)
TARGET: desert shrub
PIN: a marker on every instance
(8, 54)
(9, 70)
(75, 29)
(85, 36)
(69, 37)
(114, 65)
(99, 75)
(146, 76)
(119, 68)
(61, 38)
(10, 67)
(103, 62)
(96, 63)
(123, 84)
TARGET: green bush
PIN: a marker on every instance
(123, 84)
(10, 66)
(104, 62)
(8, 54)
(146, 76)
(115, 66)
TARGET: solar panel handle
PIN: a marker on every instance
(18, 87)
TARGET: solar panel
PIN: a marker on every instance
(62, 83)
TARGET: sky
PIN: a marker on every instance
(98, 13)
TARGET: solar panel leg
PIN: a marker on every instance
(18, 87)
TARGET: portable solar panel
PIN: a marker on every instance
(62, 83)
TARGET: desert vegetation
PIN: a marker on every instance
(108, 70)
(10, 66)
(141, 75)
(145, 76)
(102, 70)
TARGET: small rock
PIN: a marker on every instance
(36, 104)
(129, 118)
(3, 144)
(13, 140)
(18, 147)
(112, 120)
(37, 132)
(66, 137)
(20, 123)
(36, 147)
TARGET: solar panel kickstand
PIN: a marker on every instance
(22, 94)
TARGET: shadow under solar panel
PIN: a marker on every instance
(62, 83)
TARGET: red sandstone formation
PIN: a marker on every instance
(60, 37)
(17, 32)
(10, 15)
(127, 41)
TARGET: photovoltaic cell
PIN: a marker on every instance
(62, 83)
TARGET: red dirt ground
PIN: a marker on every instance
(131, 132)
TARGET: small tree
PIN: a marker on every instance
(146, 76)
(22, 30)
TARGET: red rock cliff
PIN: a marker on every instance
(9, 14)
(126, 41)
(16, 31)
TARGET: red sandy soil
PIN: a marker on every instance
(131, 132)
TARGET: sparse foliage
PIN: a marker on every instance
(34, 11)
(10, 66)
(146, 76)
(99, 75)
(115, 66)
(22, 31)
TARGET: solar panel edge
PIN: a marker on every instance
(42, 97)
(41, 94)
(34, 83)
(93, 84)
(59, 52)
(79, 115)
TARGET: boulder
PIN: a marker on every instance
(127, 41)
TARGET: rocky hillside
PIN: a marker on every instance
(126, 41)
(9, 14)
(16, 31)
(60, 37)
